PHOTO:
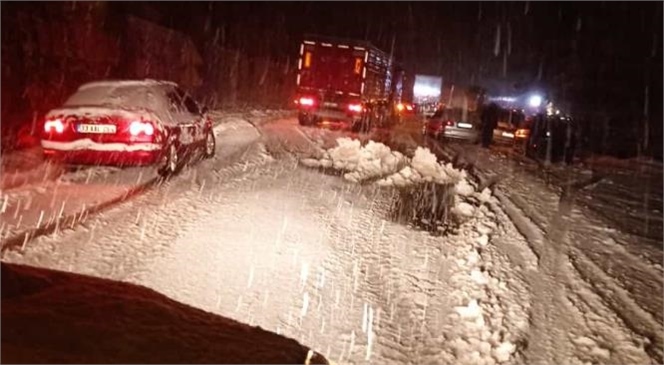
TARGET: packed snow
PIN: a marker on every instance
(521, 276)
(320, 260)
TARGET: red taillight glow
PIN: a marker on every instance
(306, 101)
(450, 123)
(521, 133)
(356, 108)
(136, 128)
(54, 125)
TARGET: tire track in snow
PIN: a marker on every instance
(556, 235)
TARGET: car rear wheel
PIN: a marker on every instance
(171, 161)
(305, 120)
(210, 144)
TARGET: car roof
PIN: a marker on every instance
(127, 83)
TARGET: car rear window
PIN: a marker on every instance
(122, 96)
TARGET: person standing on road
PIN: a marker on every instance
(489, 123)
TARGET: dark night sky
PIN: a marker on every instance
(594, 58)
(454, 39)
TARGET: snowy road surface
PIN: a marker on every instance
(255, 236)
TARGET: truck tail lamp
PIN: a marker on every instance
(521, 133)
(355, 108)
(307, 101)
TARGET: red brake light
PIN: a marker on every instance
(307, 101)
(521, 133)
(450, 123)
(54, 125)
(357, 108)
(136, 128)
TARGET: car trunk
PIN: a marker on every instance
(100, 125)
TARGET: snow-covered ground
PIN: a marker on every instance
(605, 278)
(50, 197)
(257, 236)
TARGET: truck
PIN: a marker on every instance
(345, 80)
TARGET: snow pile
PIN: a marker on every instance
(375, 160)
(360, 163)
(424, 167)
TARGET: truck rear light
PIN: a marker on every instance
(54, 125)
(521, 133)
(136, 128)
(404, 106)
(356, 108)
(307, 101)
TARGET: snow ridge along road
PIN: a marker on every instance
(607, 300)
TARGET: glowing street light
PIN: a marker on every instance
(535, 101)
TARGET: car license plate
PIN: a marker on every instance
(508, 134)
(331, 105)
(465, 125)
(96, 128)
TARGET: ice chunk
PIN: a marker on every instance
(503, 351)
(479, 277)
(310, 162)
(464, 209)
(472, 311)
(464, 188)
(485, 195)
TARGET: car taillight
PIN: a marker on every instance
(54, 125)
(356, 108)
(404, 106)
(307, 101)
(449, 123)
(136, 128)
(521, 133)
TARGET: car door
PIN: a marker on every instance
(197, 117)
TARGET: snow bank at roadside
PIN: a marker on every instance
(490, 317)
(360, 162)
(376, 160)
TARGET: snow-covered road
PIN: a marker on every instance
(255, 236)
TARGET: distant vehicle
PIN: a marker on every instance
(347, 81)
(552, 138)
(454, 124)
(509, 121)
(129, 122)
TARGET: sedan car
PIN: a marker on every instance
(452, 124)
(136, 122)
